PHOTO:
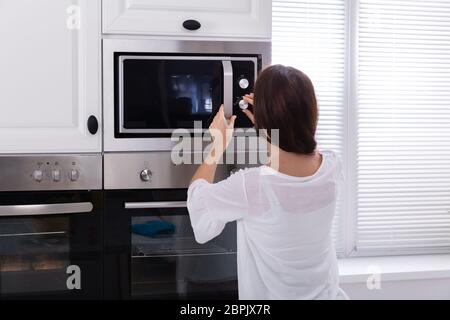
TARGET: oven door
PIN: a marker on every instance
(50, 245)
(156, 94)
(151, 253)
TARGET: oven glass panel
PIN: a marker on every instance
(34, 255)
(165, 94)
(53, 255)
(167, 262)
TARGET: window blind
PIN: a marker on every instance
(403, 139)
(311, 36)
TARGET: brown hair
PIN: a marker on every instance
(285, 99)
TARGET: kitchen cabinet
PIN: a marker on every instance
(50, 76)
(219, 19)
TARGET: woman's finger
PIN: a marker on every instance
(221, 110)
(231, 123)
(219, 115)
(248, 99)
(250, 115)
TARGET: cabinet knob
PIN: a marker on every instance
(92, 125)
(192, 25)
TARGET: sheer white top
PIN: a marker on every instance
(284, 244)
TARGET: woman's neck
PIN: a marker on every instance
(294, 164)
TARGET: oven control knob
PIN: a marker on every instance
(56, 175)
(74, 175)
(244, 83)
(146, 175)
(243, 105)
(38, 175)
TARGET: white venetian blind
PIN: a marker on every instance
(311, 36)
(403, 184)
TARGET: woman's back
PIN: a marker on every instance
(284, 229)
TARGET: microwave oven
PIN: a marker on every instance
(153, 87)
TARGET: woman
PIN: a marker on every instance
(284, 213)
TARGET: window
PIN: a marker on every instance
(382, 74)
(403, 174)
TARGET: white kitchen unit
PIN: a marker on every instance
(246, 19)
(50, 76)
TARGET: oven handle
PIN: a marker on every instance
(46, 209)
(155, 205)
(227, 88)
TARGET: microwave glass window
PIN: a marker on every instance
(165, 94)
(190, 95)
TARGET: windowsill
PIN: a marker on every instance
(395, 268)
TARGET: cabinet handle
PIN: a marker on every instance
(92, 125)
(192, 25)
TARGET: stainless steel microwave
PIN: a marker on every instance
(152, 87)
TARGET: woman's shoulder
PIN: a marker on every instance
(329, 154)
(331, 157)
(332, 163)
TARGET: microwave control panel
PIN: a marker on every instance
(243, 83)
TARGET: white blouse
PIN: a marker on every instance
(284, 245)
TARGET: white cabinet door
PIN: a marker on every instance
(218, 18)
(49, 75)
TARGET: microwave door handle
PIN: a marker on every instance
(155, 205)
(227, 88)
(45, 209)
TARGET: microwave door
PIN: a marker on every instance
(160, 94)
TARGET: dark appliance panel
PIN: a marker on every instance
(151, 253)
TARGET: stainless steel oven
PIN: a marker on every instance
(150, 250)
(152, 87)
(50, 227)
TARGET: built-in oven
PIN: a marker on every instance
(152, 87)
(150, 249)
(50, 227)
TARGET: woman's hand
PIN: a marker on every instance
(250, 99)
(221, 131)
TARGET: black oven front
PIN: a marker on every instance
(50, 232)
(50, 245)
(151, 252)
